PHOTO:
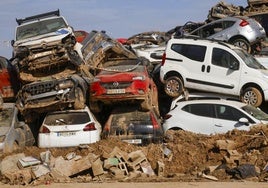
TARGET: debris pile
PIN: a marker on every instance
(184, 156)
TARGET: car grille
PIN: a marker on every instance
(116, 85)
(39, 88)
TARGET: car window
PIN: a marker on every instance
(249, 59)
(255, 112)
(229, 113)
(194, 52)
(222, 58)
(200, 109)
(67, 118)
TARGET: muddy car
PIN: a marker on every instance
(14, 133)
(99, 48)
(53, 94)
(9, 82)
(43, 43)
(127, 81)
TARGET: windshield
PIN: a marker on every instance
(40, 28)
(249, 59)
(123, 68)
(6, 117)
(255, 112)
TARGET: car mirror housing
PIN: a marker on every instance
(244, 120)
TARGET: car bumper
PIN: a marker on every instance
(48, 140)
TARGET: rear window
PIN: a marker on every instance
(69, 118)
(193, 52)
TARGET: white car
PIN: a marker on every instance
(211, 66)
(69, 128)
(211, 116)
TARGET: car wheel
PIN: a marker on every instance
(252, 96)
(242, 43)
(79, 101)
(173, 86)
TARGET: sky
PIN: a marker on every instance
(119, 18)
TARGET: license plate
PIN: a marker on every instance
(133, 141)
(115, 91)
(66, 134)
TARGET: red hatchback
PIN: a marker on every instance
(124, 82)
(9, 83)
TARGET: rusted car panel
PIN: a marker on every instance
(98, 48)
(53, 94)
(14, 133)
(42, 43)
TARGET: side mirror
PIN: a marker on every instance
(157, 55)
(234, 65)
(244, 121)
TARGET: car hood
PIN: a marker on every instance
(46, 38)
(4, 130)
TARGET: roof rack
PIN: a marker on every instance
(38, 16)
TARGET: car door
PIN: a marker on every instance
(227, 119)
(189, 62)
(220, 76)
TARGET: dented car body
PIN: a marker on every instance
(127, 81)
(98, 48)
(53, 94)
(43, 43)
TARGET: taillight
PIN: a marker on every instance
(167, 116)
(154, 121)
(89, 127)
(44, 129)
(243, 23)
(163, 59)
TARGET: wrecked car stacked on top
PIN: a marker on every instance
(47, 59)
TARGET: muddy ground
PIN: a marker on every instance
(190, 155)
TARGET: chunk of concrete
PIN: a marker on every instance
(225, 144)
(97, 167)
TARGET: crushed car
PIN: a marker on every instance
(14, 133)
(44, 44)
(126, 81)
(98, 48)
(52, 94)
(134, 126)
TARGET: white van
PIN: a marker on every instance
(213, 66)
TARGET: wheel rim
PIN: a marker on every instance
(173, 87)
(250, 98)
(242, 45)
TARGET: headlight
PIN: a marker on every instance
(138, 78)
(66, 84)
(21, 51)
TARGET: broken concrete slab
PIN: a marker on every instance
(97, 167)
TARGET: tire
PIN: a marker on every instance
(173, 86)
(252, 96)
(79, 101)
(242, 43)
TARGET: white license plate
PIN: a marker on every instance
(133, 141)
(115, 91)
(66, 134)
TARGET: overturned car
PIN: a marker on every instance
(53, 94)
(44, 43)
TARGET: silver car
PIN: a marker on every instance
(244, 32)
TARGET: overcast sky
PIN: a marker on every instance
(119, 18)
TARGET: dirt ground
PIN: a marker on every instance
(189, 158)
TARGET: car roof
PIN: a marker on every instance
(214, 101)
(197, 41)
